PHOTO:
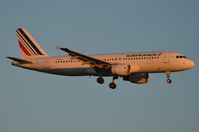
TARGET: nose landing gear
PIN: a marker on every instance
(168, 77)
(169, 81)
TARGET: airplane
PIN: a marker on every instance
(134, 67)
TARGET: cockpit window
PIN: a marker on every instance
(180, 56)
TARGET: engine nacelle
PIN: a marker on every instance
(139, 78)
(124, 70)
(120, 70)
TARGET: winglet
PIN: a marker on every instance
(63, 49)
(58, 47)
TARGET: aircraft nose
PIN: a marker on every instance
(191, 64)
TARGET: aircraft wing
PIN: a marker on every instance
(21, 61)
(94, 62)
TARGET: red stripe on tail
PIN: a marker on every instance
(23, 48)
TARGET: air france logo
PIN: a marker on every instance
(143, 55)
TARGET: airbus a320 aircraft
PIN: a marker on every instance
(133, 67)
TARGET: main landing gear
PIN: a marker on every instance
(168, 77)
(112, 84)
(100, 80)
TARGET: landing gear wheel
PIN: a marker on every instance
(169, 81)
(112, 85)
(100, 80)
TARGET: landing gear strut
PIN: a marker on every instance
(112, 84)
(100, 80)
(168, 77)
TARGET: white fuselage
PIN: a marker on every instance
(142, 62)
(133, 67)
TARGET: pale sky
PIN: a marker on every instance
(32, 101)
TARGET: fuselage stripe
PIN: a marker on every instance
(23, 48)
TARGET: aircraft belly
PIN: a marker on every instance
(73, 71)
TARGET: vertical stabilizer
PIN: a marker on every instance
(28, 45)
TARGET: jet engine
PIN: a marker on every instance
(139, 78)
(124, 70)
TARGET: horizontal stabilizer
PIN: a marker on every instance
(21, 61)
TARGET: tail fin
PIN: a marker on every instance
(27, 44)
